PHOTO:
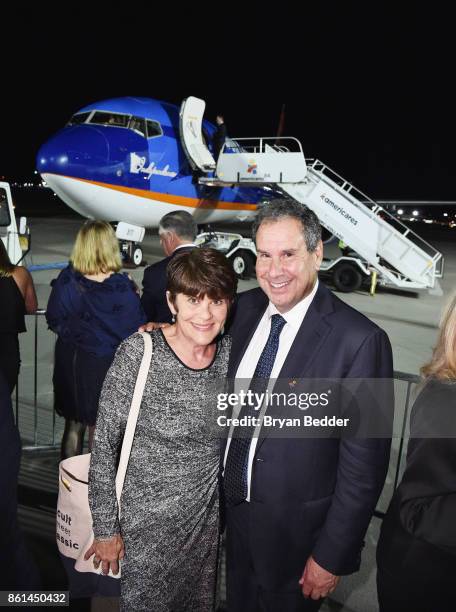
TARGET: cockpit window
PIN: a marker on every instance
(78, 118)
(113, 119)
(153, 129)
(147, 129)
(138, 125)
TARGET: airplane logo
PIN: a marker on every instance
(138, 163)
(252, 167)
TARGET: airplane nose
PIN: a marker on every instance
(72, 149)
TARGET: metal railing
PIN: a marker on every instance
(30, 409)
(373, 209)
(255, 145)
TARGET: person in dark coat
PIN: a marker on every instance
(416, 553)
(92, 308)
(18, 570)
(17, 297)
(177, 231)
(297, 508)
(219, 137)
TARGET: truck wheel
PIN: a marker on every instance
(347, 278)
(243, 263)
(137, 256)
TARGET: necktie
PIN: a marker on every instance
(235, 475)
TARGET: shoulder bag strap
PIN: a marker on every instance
(133, 415)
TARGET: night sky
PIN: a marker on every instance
(367, 86)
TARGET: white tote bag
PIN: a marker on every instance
(74, 521)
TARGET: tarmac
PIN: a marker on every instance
(410, 319)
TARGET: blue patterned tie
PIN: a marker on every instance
(235, 475)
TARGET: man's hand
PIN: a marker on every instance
(151, 326)
(316, 582)
(108, 553)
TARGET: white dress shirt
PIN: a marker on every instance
(186, 245)
(247, 366)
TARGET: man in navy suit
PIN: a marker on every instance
(177, 231)
(297, 509)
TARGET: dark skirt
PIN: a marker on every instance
(78, 380)
(9, 359)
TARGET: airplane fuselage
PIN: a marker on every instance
(122, 160)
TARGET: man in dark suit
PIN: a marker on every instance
(219, 137)
(177, 231)
(297, 508)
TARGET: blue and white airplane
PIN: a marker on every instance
(125, 160)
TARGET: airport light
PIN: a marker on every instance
(415, 213)
(401, 211)
(445, 214)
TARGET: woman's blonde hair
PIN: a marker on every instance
(6, 267)
(443, 363)
(96, 249)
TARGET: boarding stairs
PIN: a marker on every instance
(387, 245)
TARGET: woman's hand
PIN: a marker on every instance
(108, 553)
(151, 326)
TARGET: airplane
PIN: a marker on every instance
(123, 160)
(132, 160)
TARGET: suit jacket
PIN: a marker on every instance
(315, 495)
(218, 140)
(153, 299)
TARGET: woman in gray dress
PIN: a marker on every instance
(168, 533)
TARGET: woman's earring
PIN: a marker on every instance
(173, 319)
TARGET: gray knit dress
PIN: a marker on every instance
(169, 506)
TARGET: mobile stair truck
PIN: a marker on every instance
(379, 244)
(16, 240)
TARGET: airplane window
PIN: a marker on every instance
(114, 119)
(138, 124)
(4, 212)
(78, 118)
(153, 129)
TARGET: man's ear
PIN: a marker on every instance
(318, 254)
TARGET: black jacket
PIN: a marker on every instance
(153, 299)
(424, 504)
(218, 140)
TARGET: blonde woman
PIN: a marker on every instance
(17, 297)
(92, 308)
(416, 553)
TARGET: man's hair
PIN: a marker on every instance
(96, 249)
(181, 223)
(282, 208)
(201, 272)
